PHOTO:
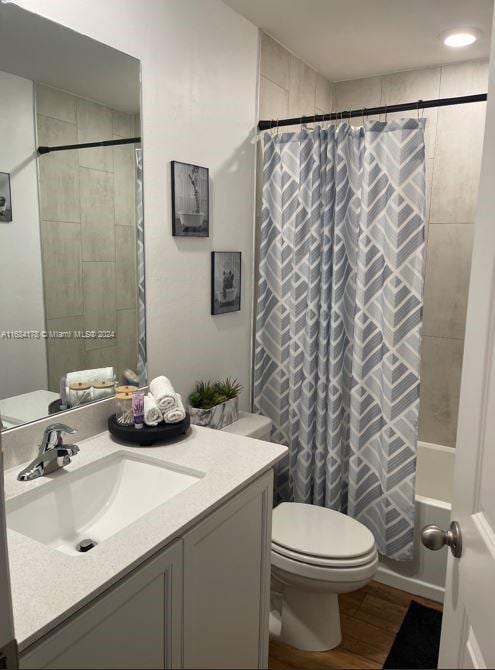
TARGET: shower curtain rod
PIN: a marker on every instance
(352, 113)
(88, 145)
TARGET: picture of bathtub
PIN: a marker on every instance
(425, 574)
(190, 200)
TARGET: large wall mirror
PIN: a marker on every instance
(71, 220)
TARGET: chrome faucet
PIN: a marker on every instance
(53, 453)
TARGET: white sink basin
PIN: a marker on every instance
(95, 501)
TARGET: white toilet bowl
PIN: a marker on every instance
(317, 553)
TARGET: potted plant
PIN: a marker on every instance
(214, 404)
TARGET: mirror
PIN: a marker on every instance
(72, 311)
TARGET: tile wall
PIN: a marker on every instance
(87, 201)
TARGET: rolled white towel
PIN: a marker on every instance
(177, 413)
(163, 392)
(152, 413)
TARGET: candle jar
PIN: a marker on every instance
(123, 409)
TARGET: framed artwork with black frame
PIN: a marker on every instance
(225, 282)
(190, 200)
(5, 198)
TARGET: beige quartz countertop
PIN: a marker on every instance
(48, 585)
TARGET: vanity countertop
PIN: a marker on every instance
(48, 585)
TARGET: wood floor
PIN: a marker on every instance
(370, 619)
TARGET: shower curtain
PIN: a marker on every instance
(141, 303)
(339, 315)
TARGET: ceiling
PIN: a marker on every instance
(346, 39)
(38, 49)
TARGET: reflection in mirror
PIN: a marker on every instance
(71, 220)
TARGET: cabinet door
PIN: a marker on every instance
(227, 583)
(135, 624)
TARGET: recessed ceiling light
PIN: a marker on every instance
(460, 38)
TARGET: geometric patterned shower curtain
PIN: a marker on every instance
(339, 316)
(142, 371)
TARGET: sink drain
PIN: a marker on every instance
(85, 545)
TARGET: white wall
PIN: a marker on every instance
(199, 80)
(22, 362)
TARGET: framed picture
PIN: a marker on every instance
(190, 200)
(225, 281)
(5, 198)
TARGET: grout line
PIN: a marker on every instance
(442, 337)
(282, 88)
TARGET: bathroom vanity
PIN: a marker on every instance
(179, 575)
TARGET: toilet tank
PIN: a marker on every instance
(251, 425)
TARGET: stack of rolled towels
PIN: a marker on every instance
(162, 403)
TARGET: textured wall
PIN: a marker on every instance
(88, 233)
(454, 138)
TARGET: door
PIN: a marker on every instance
(468, 632)
(8, 646)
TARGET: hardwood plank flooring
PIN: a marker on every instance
(370, 619)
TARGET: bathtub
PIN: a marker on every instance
(425, 574)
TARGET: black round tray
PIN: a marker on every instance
(148, 435)
(54, 406)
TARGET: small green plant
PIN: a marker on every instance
(230, 388)
(209, 394)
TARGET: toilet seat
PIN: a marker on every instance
(320, 536)
(325, 562)
(344, 575)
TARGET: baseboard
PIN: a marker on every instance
(409, 584)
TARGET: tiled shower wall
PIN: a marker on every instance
(454, 137)
(289, 87)
(88, 233)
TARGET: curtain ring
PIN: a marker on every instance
(277, 128)
(386, 113)
(350, 111)
(362, 115)
(417, 109)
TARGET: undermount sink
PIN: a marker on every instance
(95, 501)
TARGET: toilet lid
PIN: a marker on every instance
(318, 531)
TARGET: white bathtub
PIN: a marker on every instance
(425, 574)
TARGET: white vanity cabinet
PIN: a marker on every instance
(202, 602)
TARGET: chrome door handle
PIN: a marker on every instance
(435, 538)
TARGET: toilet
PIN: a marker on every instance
(316, 554)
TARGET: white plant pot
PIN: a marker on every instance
(217, 417)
